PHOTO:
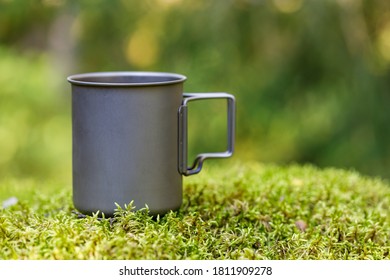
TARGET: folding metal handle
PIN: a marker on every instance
(183, 135)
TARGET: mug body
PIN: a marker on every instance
(125, 141)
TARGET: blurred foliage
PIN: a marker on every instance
(34, 118)
(311, 78)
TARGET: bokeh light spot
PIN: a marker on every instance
(288, 6)
(384, 42)
(169, 2)
(142, 48)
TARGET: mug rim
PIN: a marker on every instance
(157, 78)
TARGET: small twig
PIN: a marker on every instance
(79, 215)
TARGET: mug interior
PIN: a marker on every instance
(126, 78)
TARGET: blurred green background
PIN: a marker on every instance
(311, 77)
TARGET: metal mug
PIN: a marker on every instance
(129, 138)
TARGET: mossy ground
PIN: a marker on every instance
(245, 211)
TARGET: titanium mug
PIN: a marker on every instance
(129, 138)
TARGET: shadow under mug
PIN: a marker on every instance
(129, 138)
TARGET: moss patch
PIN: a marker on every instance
(246, 211)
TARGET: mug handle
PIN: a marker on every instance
(183, 135)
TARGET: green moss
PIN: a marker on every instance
(248, 211)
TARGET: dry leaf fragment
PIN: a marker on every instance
(301, 225)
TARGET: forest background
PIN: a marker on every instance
(311, 78)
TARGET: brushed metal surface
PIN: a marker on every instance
(125, 142)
